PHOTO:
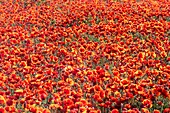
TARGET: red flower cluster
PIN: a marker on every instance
(84, 56)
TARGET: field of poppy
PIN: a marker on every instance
(84, 56)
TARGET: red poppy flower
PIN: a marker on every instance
(2, 100)
(156, 111)
(82, 49)
(46, 111)
(166, 110)
(2, 110)
(115, 73)
(9, 102)
(94, 111)
(145, 110)
(147, 103)
(125, 82)
(115, 111)
(66, 91)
